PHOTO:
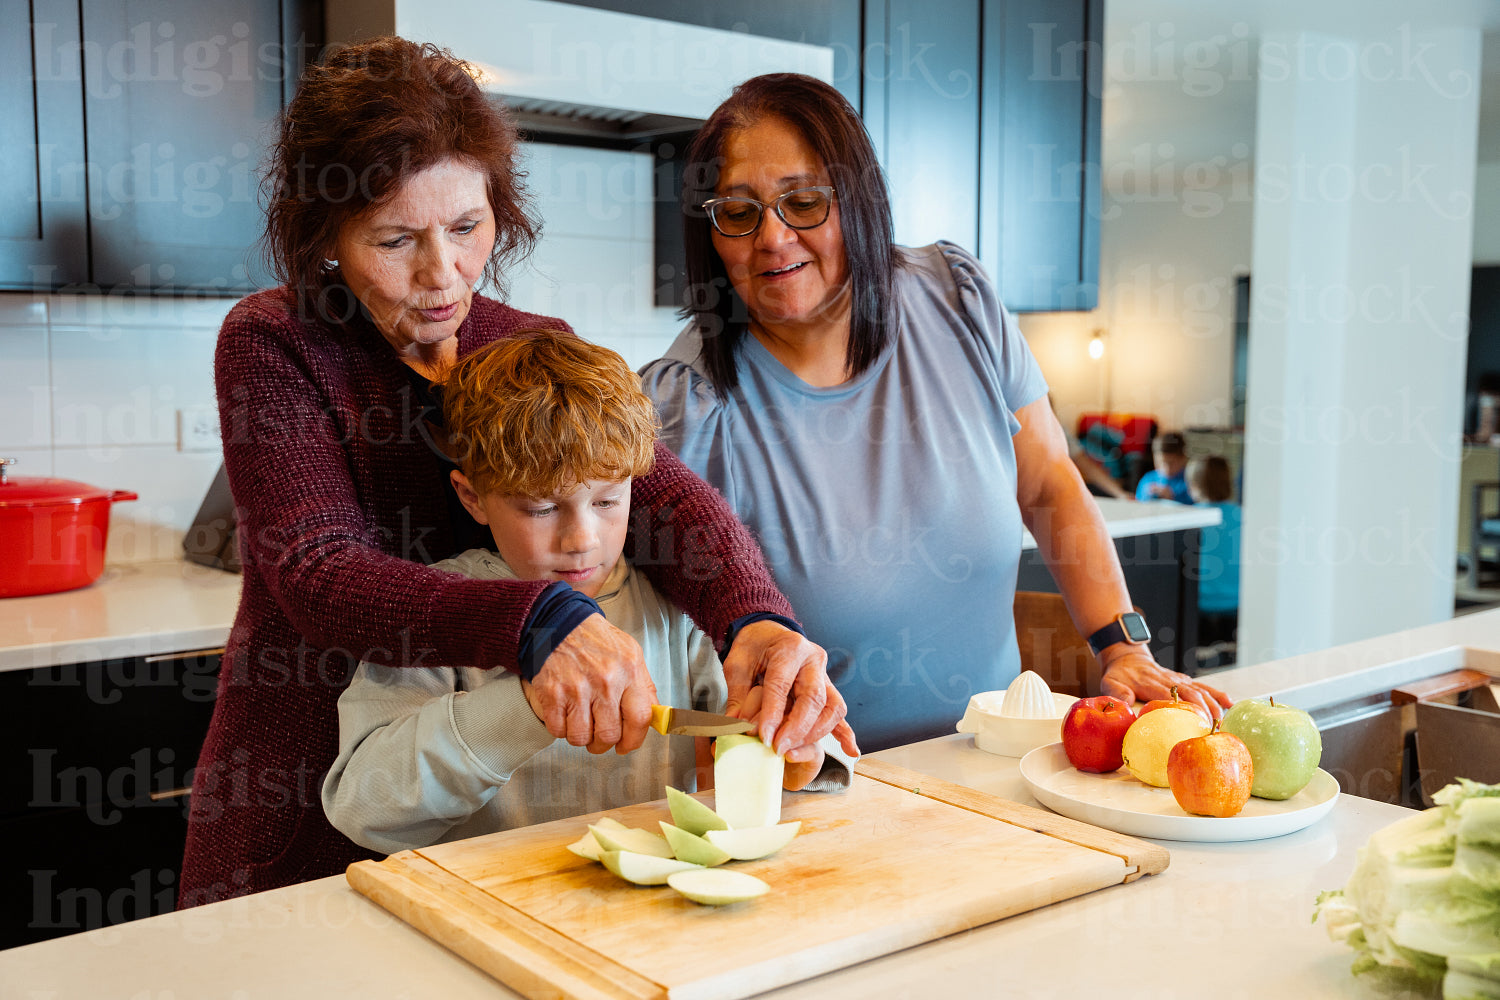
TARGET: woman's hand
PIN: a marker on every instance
(1133, 675)
(788, 667)
(802, 763)
(594, 690)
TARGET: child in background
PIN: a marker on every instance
(1166, 481)
(1219, 559)
(549, 430)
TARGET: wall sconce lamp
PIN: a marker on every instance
(1096, 345)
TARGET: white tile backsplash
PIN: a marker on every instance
(171, 485)
(29, 461)
(598, 193)
(90, 385)
(23, 310)
(123, 385)
(156, 311)
(25, 388)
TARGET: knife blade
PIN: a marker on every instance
(690, 722)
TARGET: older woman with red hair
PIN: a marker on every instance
(393, 192)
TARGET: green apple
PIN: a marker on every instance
(1283, 742)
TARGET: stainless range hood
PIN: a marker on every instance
(571, 72)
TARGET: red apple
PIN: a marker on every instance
(1211, 775)
(1175, 702)
(1093, 731)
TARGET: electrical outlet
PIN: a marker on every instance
(198, 429)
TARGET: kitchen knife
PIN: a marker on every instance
(689, 722)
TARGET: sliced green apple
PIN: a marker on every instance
(587, 846)
(644, 869)
(635, 841)
(755, 842)
(747, 782)
(687, 847)
(717, 886)
(691, 815)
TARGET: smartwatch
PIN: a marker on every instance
(1129, 627)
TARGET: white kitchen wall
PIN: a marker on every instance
(1168, 260)
(595, 266)
(91, 386)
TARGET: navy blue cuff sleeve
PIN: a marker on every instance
(756, 616)
(558, 611)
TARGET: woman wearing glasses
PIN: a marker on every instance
(873, 413)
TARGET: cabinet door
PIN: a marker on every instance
(1039, 138)
(921, 105)
(181, 101)
(43, 226)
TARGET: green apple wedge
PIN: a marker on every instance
(1284, 745)
(688, 847)
(587, 846)
(691, 815)
(747, 782)
(754, 842)
(717, 886)
(632, 840)
(644, 869)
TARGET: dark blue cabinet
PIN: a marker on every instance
(144, 124)
(985, 114)
(43, 209)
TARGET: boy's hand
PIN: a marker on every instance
(802, 762)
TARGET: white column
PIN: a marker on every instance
(1365, 162)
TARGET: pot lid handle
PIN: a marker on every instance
(5, 464)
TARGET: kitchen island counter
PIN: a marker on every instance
(1235, 916)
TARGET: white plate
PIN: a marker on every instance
(1121, 803)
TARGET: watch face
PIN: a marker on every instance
(1135, 627)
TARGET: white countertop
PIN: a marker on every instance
(135, 609)
(141, 609)
(1125, 518)
(1216, 912)
(1218, 909)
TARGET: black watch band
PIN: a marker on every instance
(1129, 627)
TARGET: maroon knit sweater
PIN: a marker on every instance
(342, 502)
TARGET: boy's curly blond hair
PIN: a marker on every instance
(541, 411)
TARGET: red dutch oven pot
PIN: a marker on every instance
(52, 532)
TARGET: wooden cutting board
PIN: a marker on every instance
(899, 859)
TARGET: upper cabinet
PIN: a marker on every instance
(985, 114)
(151, 121)
(43, 217)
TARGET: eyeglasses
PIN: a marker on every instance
(804, 208)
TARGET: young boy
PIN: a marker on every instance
(1219, 554)
(549, 430)
(1166, 481)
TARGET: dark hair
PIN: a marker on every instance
(1209, 475)
(832, 128)
(1171, 443)
(365, 121)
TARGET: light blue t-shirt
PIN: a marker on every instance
(1219, 562)
(886, 506)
